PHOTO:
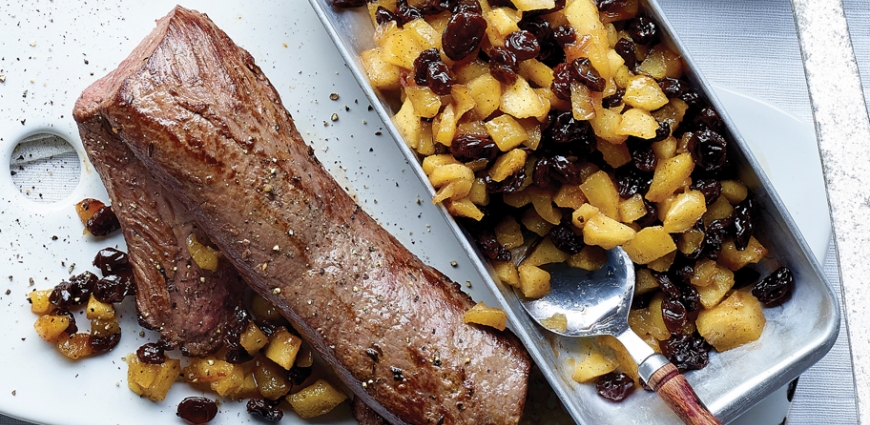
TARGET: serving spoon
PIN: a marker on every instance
(597, 303)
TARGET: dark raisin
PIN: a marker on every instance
(611, 5)
(686, 352)
(83, 286)
(348, 3)
(111, 261)
(113, 289)
(651, 216)
(523, 45)
(584, 72)
(562, 78)
(468, 147)
(691, 299)
(432, 7)
(708, 149)
(566, 170)
(510, 184)
(693, 99)
(710, 118)
(267, 328)
(237, 355)
(490, 247)
(714, 235)
(440, 78)
(559, 168)
(463, 35)
(74, 292)
(564, 34)
(151, 353)
(298, 375)
(626, 50)
(265, 409)
(62, 296)
(776, 288)
(383, 15)
(745, 277)
(421, 64)
(564, 238)
(576, 135)
(643, 30)
(104, 344)
(672, 87)
(613, 100)
(552, 52)
(406, 13)
(197, 410)
(681, 271)
(662, 133)
(502, 3)
(642, 156)
(674, 315)
(667, 286)
(71, 328)
(630, 180)
(503, 65)
(711, 188)
(615, 386)
(103, 222)
(744, 223)
(465, 6)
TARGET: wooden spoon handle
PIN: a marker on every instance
(673, 388)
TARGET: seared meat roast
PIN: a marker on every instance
(187, 305)
(202, 117)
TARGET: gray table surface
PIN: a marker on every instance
(751, 46)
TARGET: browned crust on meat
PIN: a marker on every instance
(186, 304)
(365, 415)
(205, 120)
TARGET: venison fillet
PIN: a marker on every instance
(202, 117)
(188, 305)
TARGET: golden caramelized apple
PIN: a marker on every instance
(599, 132)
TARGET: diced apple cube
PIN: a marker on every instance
(283, 348)
(685, 211)
(734, 322)
(99, 310)
(508, 164)
(507, 273)
(735, 259)
(486, 91)
(602, 194)
(39, 301)
(643, 92)
(592, 367)
(670, 176)
(521, 101)
(487, 316)
(606, 232)
(382, 74)
(649, 244)
(638, 123)
(506, 132)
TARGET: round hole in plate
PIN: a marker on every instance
(45, 168)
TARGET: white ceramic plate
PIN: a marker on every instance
(58, 48)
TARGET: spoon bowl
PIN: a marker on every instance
(591, 303)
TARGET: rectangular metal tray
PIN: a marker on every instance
(796, 335)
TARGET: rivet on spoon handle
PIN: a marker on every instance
(673, 389)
